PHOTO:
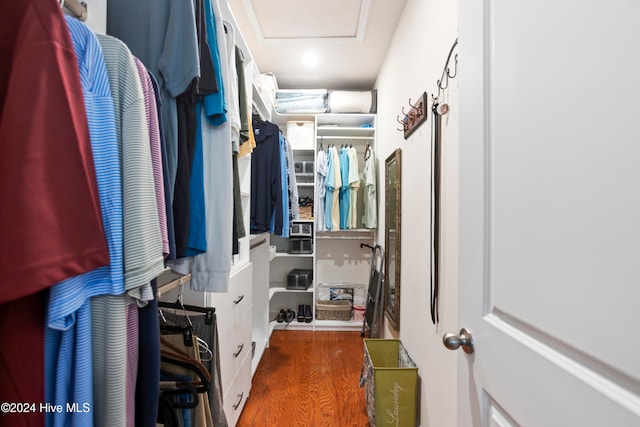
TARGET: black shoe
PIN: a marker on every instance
(281, 316)
(308, 315)
(289, 316)
(301, 313)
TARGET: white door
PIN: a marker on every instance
(550, 212)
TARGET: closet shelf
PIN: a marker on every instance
(282, 288)
(292, 325)
(344, 138)
(288, 255)
(354, 234)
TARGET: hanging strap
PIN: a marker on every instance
(435, 214)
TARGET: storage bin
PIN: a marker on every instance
(303, 168)
(301, 245)
(329, 291)
(301, 229)
(299, 279)
(358, 313)
(333, 310)
(390, 379)
(301, 136)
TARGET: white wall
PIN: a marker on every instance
(413, 65)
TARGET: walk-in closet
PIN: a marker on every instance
(319, 213)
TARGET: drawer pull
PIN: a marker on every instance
(240, 298)
(237, 405)
(237, 353)
(255, 245)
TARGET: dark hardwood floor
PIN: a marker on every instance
(308, 379)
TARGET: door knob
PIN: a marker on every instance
(452, 340)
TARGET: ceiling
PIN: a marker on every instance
(349, 39)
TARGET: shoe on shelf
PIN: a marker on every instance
(289, 315)
(301, 313)
(281, 316)
(308, 314)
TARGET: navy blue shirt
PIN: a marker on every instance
(266, 185)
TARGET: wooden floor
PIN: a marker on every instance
(308, 379)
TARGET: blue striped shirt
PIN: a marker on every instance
(68, 335)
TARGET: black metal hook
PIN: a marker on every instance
(455, 58)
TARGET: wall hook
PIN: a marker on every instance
(415, 117)
(403, 123)
(455, 58)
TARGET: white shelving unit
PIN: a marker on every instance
(337, 256)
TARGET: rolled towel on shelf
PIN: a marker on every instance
(341, 101)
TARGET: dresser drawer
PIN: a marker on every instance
(237, 395)
(236, 347)
(234, 311)
(240, 296)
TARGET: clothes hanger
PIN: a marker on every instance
(203, 347)
(172, 350)
(202, 383)
(179, 305)
(179, 386)
(186, 331)
(172, 355)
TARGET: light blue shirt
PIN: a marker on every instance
(68, 356)
(344, 189)
(284, 182)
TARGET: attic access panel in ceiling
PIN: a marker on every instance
(309, 19)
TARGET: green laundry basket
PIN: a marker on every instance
(390, 379)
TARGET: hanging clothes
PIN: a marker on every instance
(150, 107)
(344, 186)
(330, 187)
(354, 185)
(186, 147)
(321, 168)
(142, 236)
(53, 137)
(148, 374)
(337, 185)
(246, 133)
(172, 58)
(370, 211)
(68, 375)
(165, 176)
(294, 207)
(266, 189)
(197, 234)
(210, 270)
(205, 327)
(284, 186)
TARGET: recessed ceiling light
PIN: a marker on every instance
(310, 59)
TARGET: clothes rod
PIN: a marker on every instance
(168, 287)
(346, 137)
(342, 237)
(78, 9)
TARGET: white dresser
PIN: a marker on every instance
(234, 321)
